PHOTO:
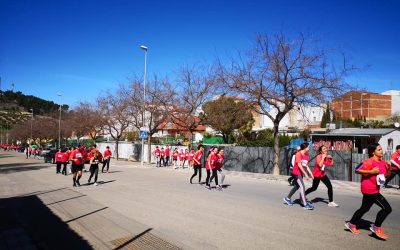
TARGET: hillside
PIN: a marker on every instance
(16, 107)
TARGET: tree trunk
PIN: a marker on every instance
(276, 149)
(116, 148)
(149, 149)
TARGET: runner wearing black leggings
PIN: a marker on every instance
(197, 162)
(323, 160)
(373, 171)
(94, 166)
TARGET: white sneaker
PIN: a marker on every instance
(95, 184)
(332, 204)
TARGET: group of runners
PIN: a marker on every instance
(177, 158)
(375, 172)
(213, 162)
(78, 156)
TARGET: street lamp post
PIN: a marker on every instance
(59, 123)
(144, 48)
(31, 122)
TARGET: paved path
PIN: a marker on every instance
(143, 206)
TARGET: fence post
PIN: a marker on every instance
(351, 165)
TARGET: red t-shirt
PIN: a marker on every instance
(318, 172)
(368, 181)
(162, 153)
(65, 157)
(197, 157)
(303, 159)
(175, 155)
(107, 153)
(77, 157)
(395, 158)
(220, 161)
(181, 156)
(58, 156)
(157, 152)
(211, 161)
(167, 151)
(191, 154)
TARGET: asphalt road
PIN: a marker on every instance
(247, 214)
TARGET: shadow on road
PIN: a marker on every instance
(45, 229)
(20, 167)
(318, 199)
(133, 239)
(115, 171)
(5, 156)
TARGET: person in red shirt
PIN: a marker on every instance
(190, 158)
(106, 159)
(185, 158)
(58, 157)
(300, 169)
(211, 168)
(395, 161)
(64, 161)
(182, 158)
(77, 165)
(167, 156)
(218, 165)
(322, 161)
(197, 162)
(156, 154)
(373, 172)
(162, 157)
(175, 156)
(94, 166)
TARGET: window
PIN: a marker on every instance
(390, 144)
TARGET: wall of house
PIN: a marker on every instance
(359, 104)
(390, 141)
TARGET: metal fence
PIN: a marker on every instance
(260, 159)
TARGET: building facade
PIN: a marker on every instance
(362, 104)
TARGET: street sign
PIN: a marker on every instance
(144, 129)
(143, 134)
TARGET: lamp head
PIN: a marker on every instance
(143, 47)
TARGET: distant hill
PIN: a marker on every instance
(17, 100)
(15, 107)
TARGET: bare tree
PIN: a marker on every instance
(193, 88)
(155, 112)
(115, 111)
(93, 121)
(280, 74)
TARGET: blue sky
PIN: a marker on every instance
(82, 47)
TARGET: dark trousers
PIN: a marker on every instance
(166, 161)
(106, 162)
(392, 175)
(367, 202)
(214, 175)
(64, 170)
(197, 168)
(58, 167)
(163, 162)
(327, 183)
(94, 171)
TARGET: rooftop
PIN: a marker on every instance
(357, 132)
